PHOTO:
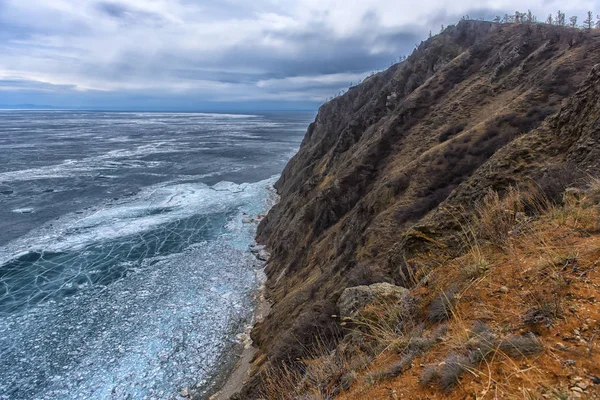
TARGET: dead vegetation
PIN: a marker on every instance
(493, 333)
(383, 162)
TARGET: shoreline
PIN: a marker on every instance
(236, 377)
(237, 374)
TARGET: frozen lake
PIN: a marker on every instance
(124, 262)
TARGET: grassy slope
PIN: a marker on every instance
(522, 320)
(387, 178)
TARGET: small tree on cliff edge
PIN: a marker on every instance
(588, 22)
(573, 22)
(549, 19)
(530, 17)
(560, 19)
(518, 18)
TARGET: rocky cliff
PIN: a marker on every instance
(388, 170)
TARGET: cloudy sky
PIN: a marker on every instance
(213, 54)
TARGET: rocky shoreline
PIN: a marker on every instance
(240, 366)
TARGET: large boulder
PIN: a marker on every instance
(354, 299)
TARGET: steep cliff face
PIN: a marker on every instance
(383, 168)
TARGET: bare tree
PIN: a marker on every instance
(520, 17)
(560, 19)
(497, 19)
(589, 21)
(530, 17)
(442, 30)
(573, 21)
(598, 22)
(549, 19)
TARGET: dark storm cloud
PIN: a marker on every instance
(128, 14)
(28, 85)
(113, 9)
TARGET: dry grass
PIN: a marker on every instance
(523, 258)
(322, 374)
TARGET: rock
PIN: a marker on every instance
(256, 248)
(263, 255)
(185, 393)
(391, 100)
(560, 346)
(503, 289)
(248, 220)
(354, 299)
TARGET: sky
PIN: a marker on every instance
(216, 54)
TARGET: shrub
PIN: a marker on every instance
(482, 344)
(452, 131)
(430, 375)
(399, 184)
(429, 201)
(394, 370)
(555, 180)
(441, 307)
(521, 346)
(451, 370)
(540, 315)
(365, 274)
(497, 217)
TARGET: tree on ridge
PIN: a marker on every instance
(573, 21)
(560, 18)
(587, 23)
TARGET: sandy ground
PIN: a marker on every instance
(238, 376)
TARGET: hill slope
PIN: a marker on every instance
(391, 170)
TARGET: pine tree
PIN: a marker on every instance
(530, 17)
(549, 19)
(573, 21)
(589, 21)
(560, 19)
(598, 22)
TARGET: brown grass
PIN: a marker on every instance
(484, 324)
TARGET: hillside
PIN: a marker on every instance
(390, 175)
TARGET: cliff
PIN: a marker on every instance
(394, 168)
